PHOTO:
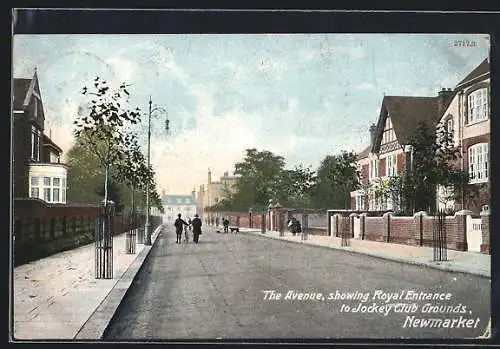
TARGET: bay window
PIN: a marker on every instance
(478, 163)
(477, 105)
(34, 188)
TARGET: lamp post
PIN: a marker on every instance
(167, 122)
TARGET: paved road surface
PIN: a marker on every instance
(214, 290)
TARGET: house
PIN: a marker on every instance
(175, 204)
(37, 168)
(390, 151)
(358, 197)
(467, 118)
(215, 191)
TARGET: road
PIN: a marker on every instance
(214, 290)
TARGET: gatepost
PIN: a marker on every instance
(387, 224)
(485, 229)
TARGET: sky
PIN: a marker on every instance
(301, 96)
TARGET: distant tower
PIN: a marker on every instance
(209, 177)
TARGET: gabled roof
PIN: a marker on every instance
(481, 69)
(364, 153)
(406, 114)
(21, 87)
(178, 200)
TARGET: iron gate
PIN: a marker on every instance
(439, 237)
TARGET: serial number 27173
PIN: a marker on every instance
(464, 43)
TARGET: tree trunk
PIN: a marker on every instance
(106, 185)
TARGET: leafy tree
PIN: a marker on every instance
(296, 185)
(434, 157)
(260, 177)
(84, 175)
(337, 176)
(100, 126)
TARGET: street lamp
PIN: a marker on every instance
(167, 127)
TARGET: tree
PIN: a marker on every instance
(260, 177)
(433, 166)
(84, 175)
(296, 185)
(100, 128)
(337, 176)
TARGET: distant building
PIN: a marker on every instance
(215, 191)
(37, 168)
(175, 204)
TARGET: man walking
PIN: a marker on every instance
(225, 223)
(179, 224)
(196, 223)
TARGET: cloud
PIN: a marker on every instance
(365, 86)
(123, 68)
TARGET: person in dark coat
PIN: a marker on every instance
(179, 224)
(196, 223)
(225, 223)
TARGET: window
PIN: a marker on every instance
(35, 189)
(46, 194)
(477, 103)
(46, 181)
(360, 201)
(35, 144)
(478, 163)
(390, 168)
(449, 126)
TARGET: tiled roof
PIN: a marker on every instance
(406, 114)
(178, 200)
(21, 87)
(364, 153)
(481, 69)
(48, 141)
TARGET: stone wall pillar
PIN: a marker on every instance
(460, 233)
(485, 227)
(387, 226)
(362, 225)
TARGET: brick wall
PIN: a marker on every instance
(375, 229)
(42, 229)
(365, 174)
(403, 230)
(317, 231)
(381, 167)
(400, 162)
(318, 220)
(485, 226)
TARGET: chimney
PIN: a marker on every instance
(443, 99)
(226, 174)
(373, 131)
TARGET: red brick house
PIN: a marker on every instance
(390, 150)
(468, 118)
(37, 168)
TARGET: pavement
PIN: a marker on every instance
(214, 291)
(58, 297)
(474, 263)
